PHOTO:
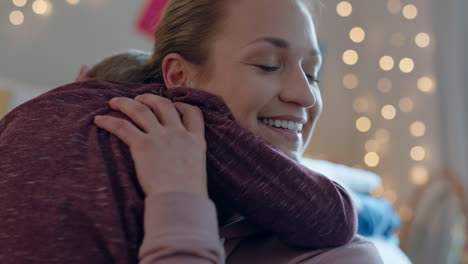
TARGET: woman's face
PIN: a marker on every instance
(264, 63)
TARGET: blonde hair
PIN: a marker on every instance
(186, 28)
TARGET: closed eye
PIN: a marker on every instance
(266, 68)
(312, 78)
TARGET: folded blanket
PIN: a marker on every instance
(377, 217)
(68, 190)
(357, 180)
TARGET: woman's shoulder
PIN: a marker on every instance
(358, 251)
(267, 248)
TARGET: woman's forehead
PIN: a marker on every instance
(266, 12)
(287, 21)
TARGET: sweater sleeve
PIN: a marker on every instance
(303, 207)
(180, 227)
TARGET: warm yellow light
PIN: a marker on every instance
(418, 153)
(378, 192)
(41, 7)
(350, 81)
(398, 39)
(372, 145)
(361, 105)
(344, 9)
(382, 136)
(16, 17)
(20, 3)
(407, 65)
(363, 124)
(419, 175)
(394, 6)
(406, 105)
(357, 34)
(350, 57)
(418, 129)
(406, 214)
(426, 84)
(386, 63)
(388, 112)
(384, 85)
(422, 40)
(410, 12)
(372, 159)
(390, 195)
(73, 2)
(357, 166)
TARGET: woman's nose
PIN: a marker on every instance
(300, 91)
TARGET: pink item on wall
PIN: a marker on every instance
(150, 17)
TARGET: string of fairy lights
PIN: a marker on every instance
(376, 146)
(39, 7)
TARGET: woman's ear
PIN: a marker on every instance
(176, 71)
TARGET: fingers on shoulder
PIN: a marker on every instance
(192, 117)
(121, 128)
(162, 107)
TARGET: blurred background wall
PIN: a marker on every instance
(393, 81)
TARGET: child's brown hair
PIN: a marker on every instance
(125, 66)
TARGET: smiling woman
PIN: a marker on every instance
(264, 64)
(210, 151)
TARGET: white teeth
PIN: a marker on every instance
(293, 126)
(277, 123)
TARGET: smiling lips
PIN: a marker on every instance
(291, 125)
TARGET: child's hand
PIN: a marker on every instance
(169, 153)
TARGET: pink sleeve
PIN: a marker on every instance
(180, 227)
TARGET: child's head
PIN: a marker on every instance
(125, 66)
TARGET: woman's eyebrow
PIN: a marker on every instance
(282, 44)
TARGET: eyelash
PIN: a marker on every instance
(272, 69)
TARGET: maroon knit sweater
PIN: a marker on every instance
(69, 193)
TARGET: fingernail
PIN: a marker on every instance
(98, 117)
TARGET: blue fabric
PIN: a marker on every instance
(377, 217)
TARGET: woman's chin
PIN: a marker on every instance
(293, 155)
